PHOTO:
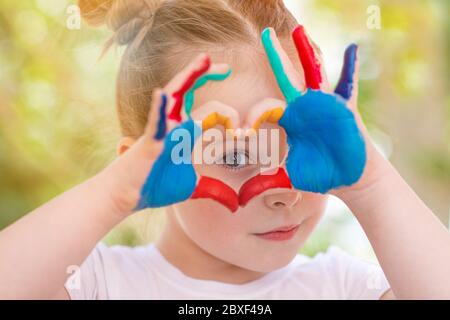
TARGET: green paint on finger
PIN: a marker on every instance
(189, 97)
(289, 91)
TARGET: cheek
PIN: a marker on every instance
(313, 205)
(210, 225)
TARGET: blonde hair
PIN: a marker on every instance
(162, 36)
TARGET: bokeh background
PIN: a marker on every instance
(58, 124)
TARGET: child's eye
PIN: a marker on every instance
(235, 160)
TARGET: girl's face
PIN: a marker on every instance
(247, 238)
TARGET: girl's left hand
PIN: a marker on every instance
(330, 149)
(328, 142)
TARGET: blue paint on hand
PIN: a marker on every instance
(170, 181)
(326, 148)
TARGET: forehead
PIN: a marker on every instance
(251, 79)
(245, 87)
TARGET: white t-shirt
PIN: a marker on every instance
(121, 272)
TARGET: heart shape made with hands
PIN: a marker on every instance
(222, 122)
(213, 114)
(326, 148)
(171, 182)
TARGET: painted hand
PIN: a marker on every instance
(326, 148)
(172, 178)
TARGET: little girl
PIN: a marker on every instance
(206, 252)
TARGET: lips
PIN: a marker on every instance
(280, 234)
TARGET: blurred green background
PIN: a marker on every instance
(58, 124)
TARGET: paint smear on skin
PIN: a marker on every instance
(311, 65)
(326, 148)
(218, 191)
(162, 126)
(189, 98)
(175, 113)
(170, 182)
(289, 91)
(262, 182)
(344, 87)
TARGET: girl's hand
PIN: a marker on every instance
(330, 149)
(146, 175)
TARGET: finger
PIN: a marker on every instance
(287, 77)
(353, 102)
(311, 65)
(268, 110)
(182, 82)
(162, 124)
(217, 72)
(215, 113)
(347, 82)
(156, 124)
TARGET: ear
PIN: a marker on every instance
(124, 144)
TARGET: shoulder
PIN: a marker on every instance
(115, 272)
(331, 261)
(123, 257)
(335, 274)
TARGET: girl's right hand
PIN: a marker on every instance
(126, 178)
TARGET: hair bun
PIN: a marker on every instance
(95, 12)
(129, 19)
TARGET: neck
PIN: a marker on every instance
(184, 254)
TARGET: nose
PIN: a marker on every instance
(282, 200)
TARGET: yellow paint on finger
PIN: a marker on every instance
(272, 116)
(216, 119)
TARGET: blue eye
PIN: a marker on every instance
(235, 160)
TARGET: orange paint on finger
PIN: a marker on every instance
(272, 116)
(216, 119)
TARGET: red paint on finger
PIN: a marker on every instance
(262, 182)
(175, 113)
(210, 188)
(311, 65)
(218, 191)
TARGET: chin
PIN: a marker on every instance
(270, 259)
(277, 262)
